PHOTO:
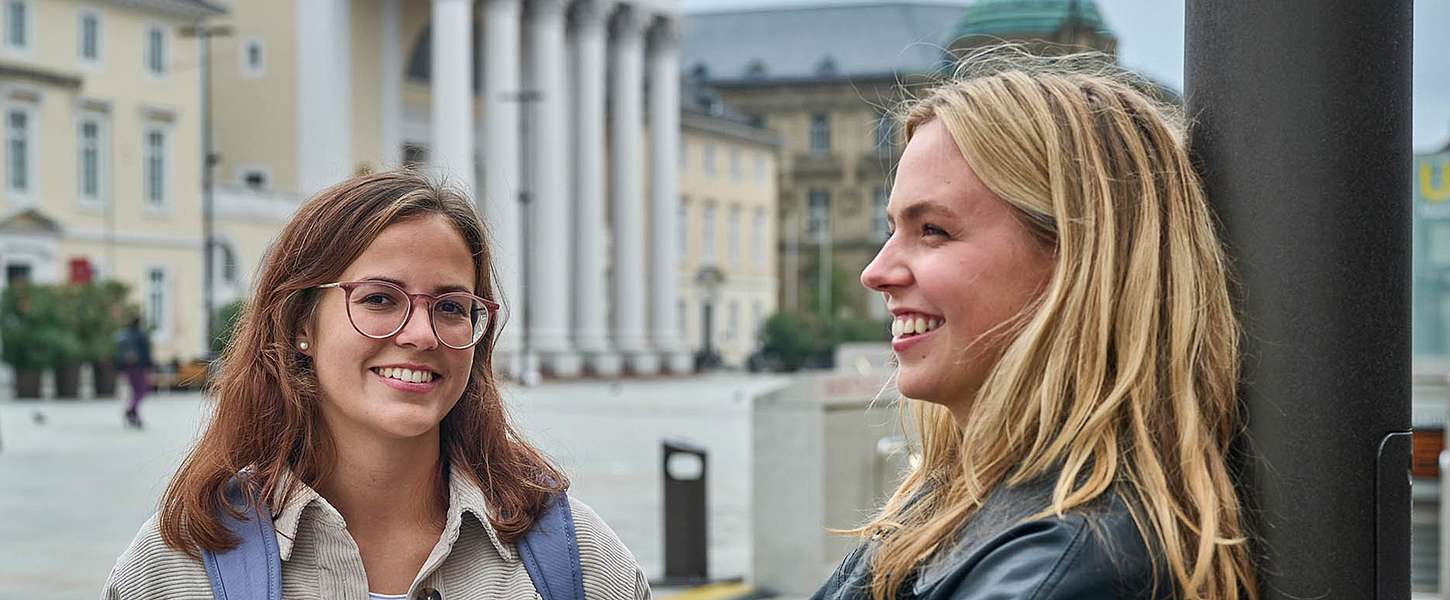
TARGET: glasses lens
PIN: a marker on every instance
(459, 319)
(377, 309)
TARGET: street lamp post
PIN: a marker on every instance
(203, 34)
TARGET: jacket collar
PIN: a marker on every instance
(465, 497)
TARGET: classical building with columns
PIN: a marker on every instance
(562, 117)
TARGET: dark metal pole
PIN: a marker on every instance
(203, 35)
(1303, 140)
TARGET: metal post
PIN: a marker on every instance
(1303, 138)
(203, 35)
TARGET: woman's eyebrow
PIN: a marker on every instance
(927, 207)
(442, 289)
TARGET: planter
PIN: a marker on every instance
(105, 375)
(68, 381)
(27, 383)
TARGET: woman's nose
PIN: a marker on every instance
(418, 330)
(886, 270)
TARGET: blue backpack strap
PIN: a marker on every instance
(550, 552)
(252, 570)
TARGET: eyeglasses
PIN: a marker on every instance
(379, 310)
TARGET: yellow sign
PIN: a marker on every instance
(1432, 189)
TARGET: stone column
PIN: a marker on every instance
(451, 151)
(587, 51)
(664, 127)
(324, 94)
(391, 71)
(549, 244)
(499, 202)
(626, 56)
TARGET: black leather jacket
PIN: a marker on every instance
(1093, 552)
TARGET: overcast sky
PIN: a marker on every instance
(1150, 39)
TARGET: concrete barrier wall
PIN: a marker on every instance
(823, 456)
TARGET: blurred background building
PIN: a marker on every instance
(103, 155)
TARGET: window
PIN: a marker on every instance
(91, 159)
(684, 155)
(732, 327)
(225, 265)
(255, 179)
(879, 224)
(682, 220)
(885, 140)
(155, 165)
(157, 299)
(757, 238)
(759, 168)
(820, 134)
(733, 241)
(734, 164)
(89, 34)
(17, 25)
(757, 318)
(707, 234)
(709, 160)
(253, 59)
(680, 321)
(818, 216)
(155, 50)
(20, 151)
(414, 156)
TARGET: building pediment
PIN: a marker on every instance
(30, 221)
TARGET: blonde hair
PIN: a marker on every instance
(1121, 376)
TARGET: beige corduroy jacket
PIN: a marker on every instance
(320, 560)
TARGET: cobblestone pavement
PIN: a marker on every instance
(75, 485)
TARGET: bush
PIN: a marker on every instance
(34, 330)
(225, 321)
(94, 312)
(794, 340)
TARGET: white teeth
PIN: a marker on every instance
(408, 375)
(912, 325)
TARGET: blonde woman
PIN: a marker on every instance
(1063, 329)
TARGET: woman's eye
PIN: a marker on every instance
(932, 230)
(377, 300)
(451, 308)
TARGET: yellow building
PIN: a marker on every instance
(727, 234)
(102, 153)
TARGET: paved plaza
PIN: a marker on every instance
(75, 485)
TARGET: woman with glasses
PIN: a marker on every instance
(1064, 332)
(357, 408)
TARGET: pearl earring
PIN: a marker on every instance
(303, 346)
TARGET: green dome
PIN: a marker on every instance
(1005, 17)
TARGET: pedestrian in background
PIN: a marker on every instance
(360, 432)
(1063, 328)
(133, 358)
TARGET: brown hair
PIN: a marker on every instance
(266, 415)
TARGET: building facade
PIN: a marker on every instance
(102, 154)
(727, 222)
(568, 110)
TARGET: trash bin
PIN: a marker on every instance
(685, 527)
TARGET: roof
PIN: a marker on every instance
(818, 42)
(185, 9)
(1007, 17)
